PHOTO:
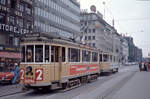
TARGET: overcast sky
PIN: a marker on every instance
(131, 17)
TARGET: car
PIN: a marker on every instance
(6, 77)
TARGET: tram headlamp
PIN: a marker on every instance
(28, 69)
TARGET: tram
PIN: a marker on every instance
(56, 63)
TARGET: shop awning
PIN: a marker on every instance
(10, 55)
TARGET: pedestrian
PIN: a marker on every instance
(16, 73)
(140, 66)
(145, 66)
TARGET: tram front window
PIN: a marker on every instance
(29, 53)
(39, 53)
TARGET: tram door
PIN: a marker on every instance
(56, 59)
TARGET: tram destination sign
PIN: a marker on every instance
(10, 28)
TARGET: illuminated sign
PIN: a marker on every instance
(14, 29)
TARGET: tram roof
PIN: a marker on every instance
(48, 38)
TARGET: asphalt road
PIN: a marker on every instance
(104, 88)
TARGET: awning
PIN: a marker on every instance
(10, 55)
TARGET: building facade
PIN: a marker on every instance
(135, 54)
(57, 17)
(96, 32)
(124, 50)
(15, 19)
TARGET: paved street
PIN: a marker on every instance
(137, 88)
(105, 87)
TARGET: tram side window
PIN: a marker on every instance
(100, 58)
(111, 58)
(94, 57)
(23, 54)
(74, 55)
(54, 54)
(86, 56)
(46, 53)
(30, 53)
(39, 53)
(106, 58)
(63, 54)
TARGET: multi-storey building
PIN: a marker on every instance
(96, 32)
(135, 54)
(15, 19)
(124, 50)
(57, 17)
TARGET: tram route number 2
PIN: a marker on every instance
(22, 71)
(39, 74)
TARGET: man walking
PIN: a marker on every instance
(140, 66)
(16, 73)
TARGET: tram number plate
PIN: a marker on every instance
(29, 81)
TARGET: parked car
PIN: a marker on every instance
(6, 77)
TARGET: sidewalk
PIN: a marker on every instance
(136, 88)
(10, 89)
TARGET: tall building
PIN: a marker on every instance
(96, 32)
(57, 17)
(135, 54)
(124, 50)
(15, 19)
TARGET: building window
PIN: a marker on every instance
(13, 3)
(12, 20)
(89, 37)
(85, 31)
(20, 22)
(10, 40)
(89, 30)
(16, 41)
(28, 25)
(28, 10)
(85, 37)
(85, 23)
(2, 18)
(93, 30)
(3, 2)
(21, 7)
(93, 44)
(93, 37)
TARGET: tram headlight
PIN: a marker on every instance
(28, 70)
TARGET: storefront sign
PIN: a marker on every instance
(10, 55)
(14, 29)
(9, 48)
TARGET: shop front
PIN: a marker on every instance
(8, 57)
